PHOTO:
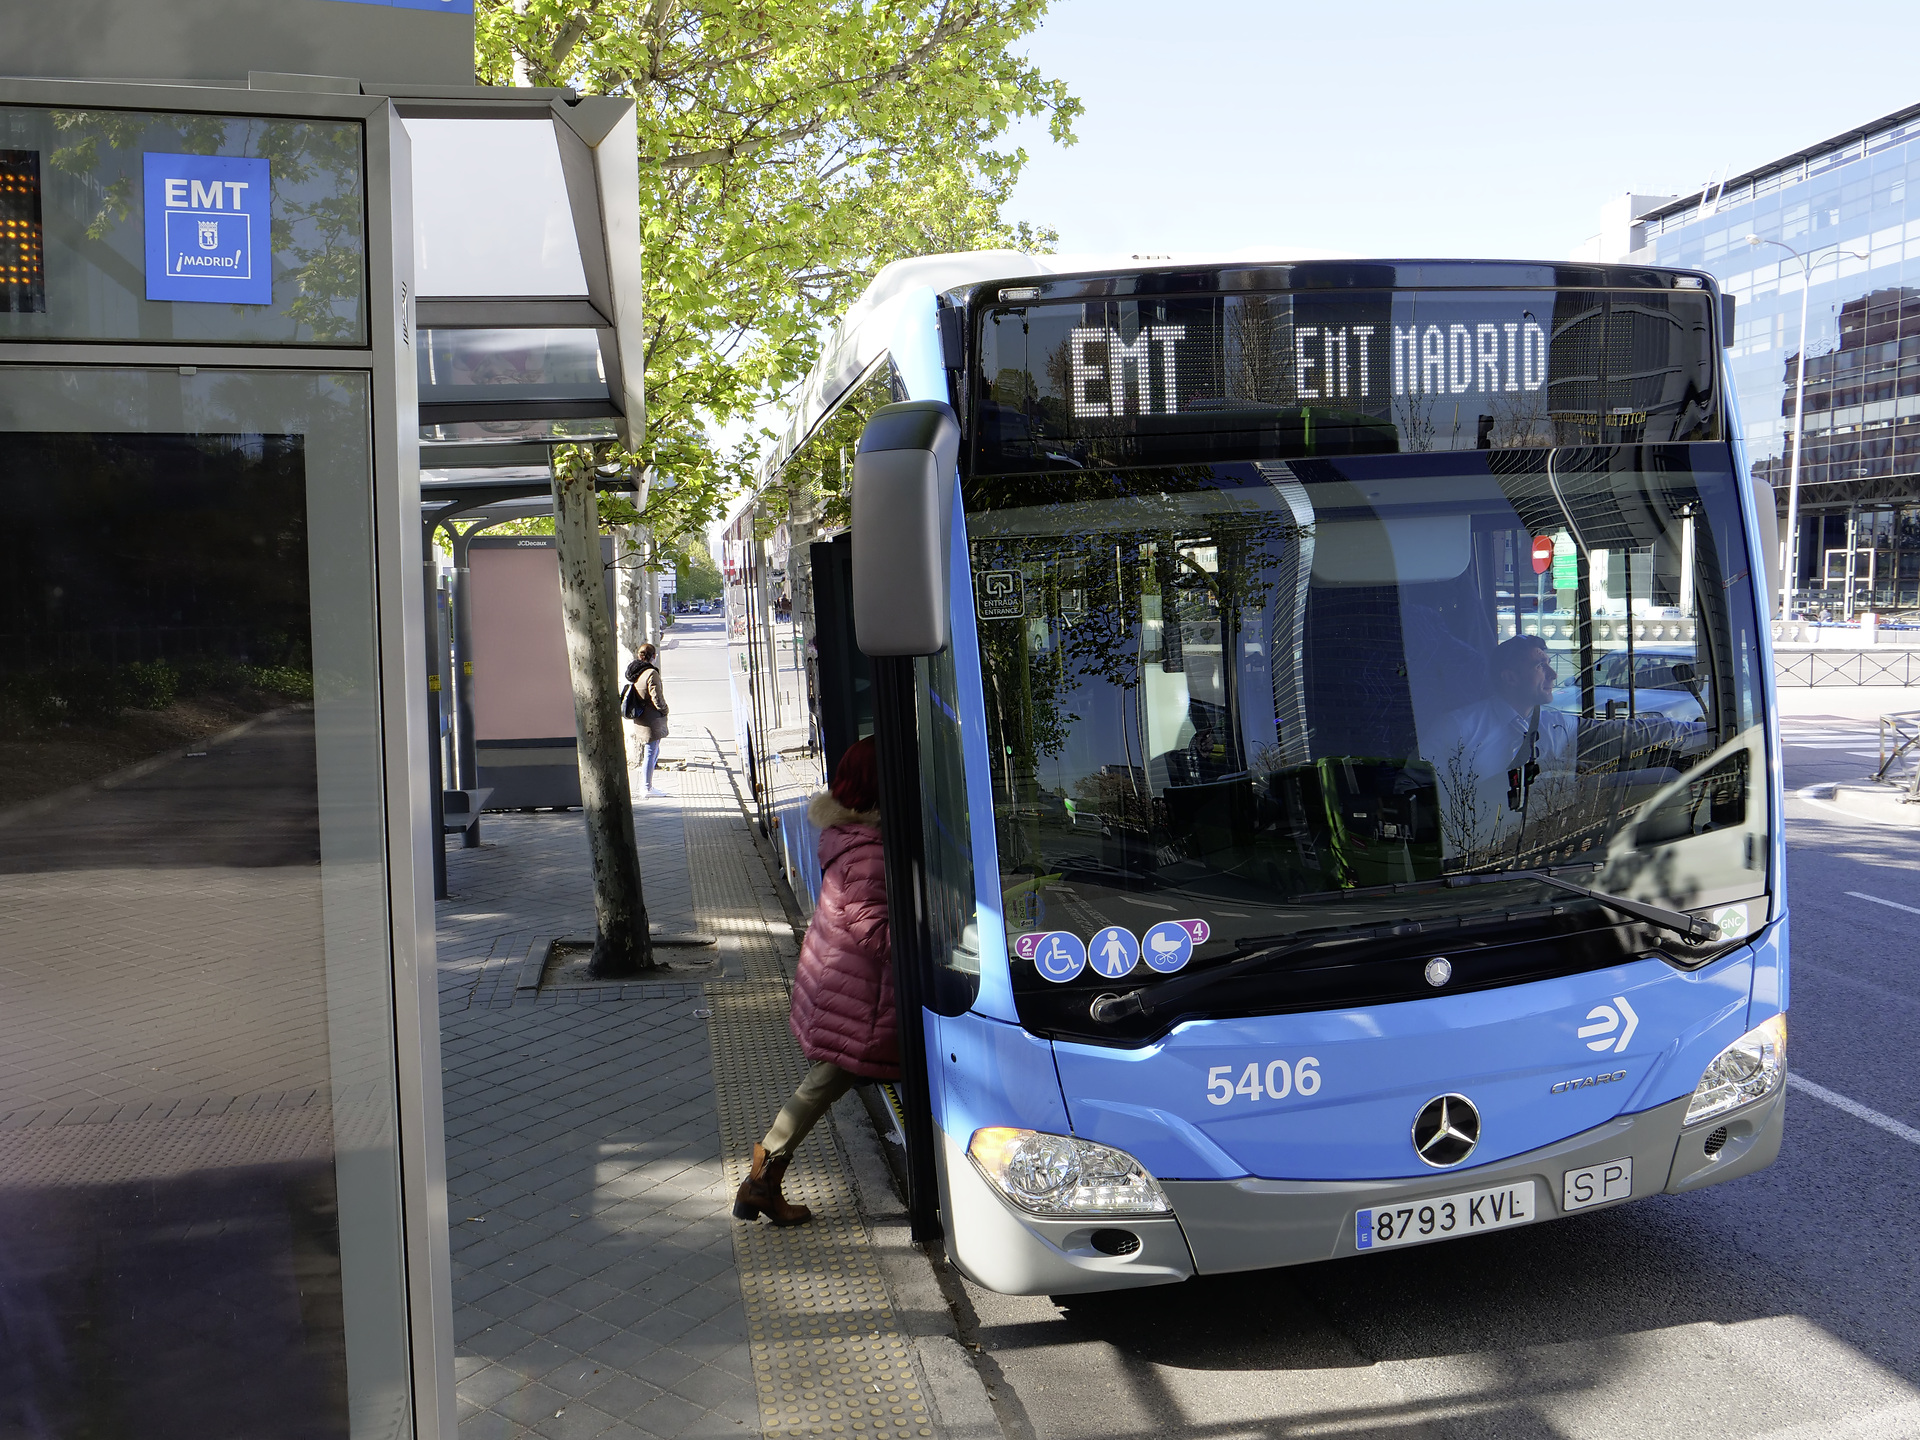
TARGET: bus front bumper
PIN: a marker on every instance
(1220, 1226)
(1258, 1224)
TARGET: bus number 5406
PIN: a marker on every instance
(1277, 1081)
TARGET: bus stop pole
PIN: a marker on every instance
(436, 795)
(466, 767)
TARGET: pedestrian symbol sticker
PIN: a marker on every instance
(999, 594)
(1113, 952)
(1059, 956)
(1168, 946)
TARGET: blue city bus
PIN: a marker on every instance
(1330, 778)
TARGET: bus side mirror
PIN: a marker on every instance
(903, 528)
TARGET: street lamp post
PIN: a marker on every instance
(1790, 560)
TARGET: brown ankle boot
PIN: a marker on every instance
(759, 1194)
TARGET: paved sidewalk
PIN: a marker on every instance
(594, 1284)
(594, 1134)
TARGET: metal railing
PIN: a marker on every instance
(1815, 668)
(1899, 734)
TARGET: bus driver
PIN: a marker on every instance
(1510, 759)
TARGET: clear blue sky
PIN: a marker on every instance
(1460, 128)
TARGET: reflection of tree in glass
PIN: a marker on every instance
(198, 135)
(318, 205)
(1081, 642)
(1469, 839)
(820, 473)
(1260, 350)
(1413, 416)
(1520, 419)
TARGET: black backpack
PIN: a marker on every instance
(633, 704)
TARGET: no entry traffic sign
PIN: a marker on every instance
(1542, 554)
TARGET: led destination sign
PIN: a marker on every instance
(1272, 376)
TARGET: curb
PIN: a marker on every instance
(963, 1407)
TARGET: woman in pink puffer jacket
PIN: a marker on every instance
(842, 1013)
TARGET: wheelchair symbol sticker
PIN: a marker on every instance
(1114, 952)
(1060, 956)
(1168, 946)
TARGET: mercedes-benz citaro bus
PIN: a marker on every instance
(1330, 784)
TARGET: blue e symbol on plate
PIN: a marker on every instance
(1060, 956)
(209, 229)
(1167, 946)
(1113, 952)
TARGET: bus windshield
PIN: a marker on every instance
(1282, 701)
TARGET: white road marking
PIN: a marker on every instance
(1890, 904)
(1806, 799)
(1854, 1108)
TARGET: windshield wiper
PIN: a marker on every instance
(1687, 927)
(1678, 921)
(1111, 1009)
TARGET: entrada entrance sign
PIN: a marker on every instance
(205, 218)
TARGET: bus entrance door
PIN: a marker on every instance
(843, 677)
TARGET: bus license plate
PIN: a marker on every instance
(1444, 1217)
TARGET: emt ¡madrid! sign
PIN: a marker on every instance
(208, 229)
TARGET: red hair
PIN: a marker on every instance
(856, 779)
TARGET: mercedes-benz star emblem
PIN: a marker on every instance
(1439, 971)
(1446, 1130)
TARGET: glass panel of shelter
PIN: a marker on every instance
(86, 216)
(193, 911)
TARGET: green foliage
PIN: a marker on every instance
(149, 684)
(281, 680)
(788, 150)
(696, 577)
(100, 694)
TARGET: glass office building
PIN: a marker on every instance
(1845, 204)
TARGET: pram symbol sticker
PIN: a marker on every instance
(1168, 946)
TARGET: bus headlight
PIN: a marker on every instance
(1058, 1175)
(1749, 1069)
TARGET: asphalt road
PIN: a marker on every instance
(1784, 1304)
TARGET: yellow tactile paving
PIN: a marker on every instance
(828, 1355)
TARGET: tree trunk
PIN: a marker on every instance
(621, 947)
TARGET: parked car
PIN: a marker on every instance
(1663, 684)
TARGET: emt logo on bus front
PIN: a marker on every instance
(208, 229)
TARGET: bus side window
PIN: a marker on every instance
(845, 695)
(946, 837)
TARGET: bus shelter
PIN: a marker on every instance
(230, 321)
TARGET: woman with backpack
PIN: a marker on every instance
(843, 1013)
(645, 703)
